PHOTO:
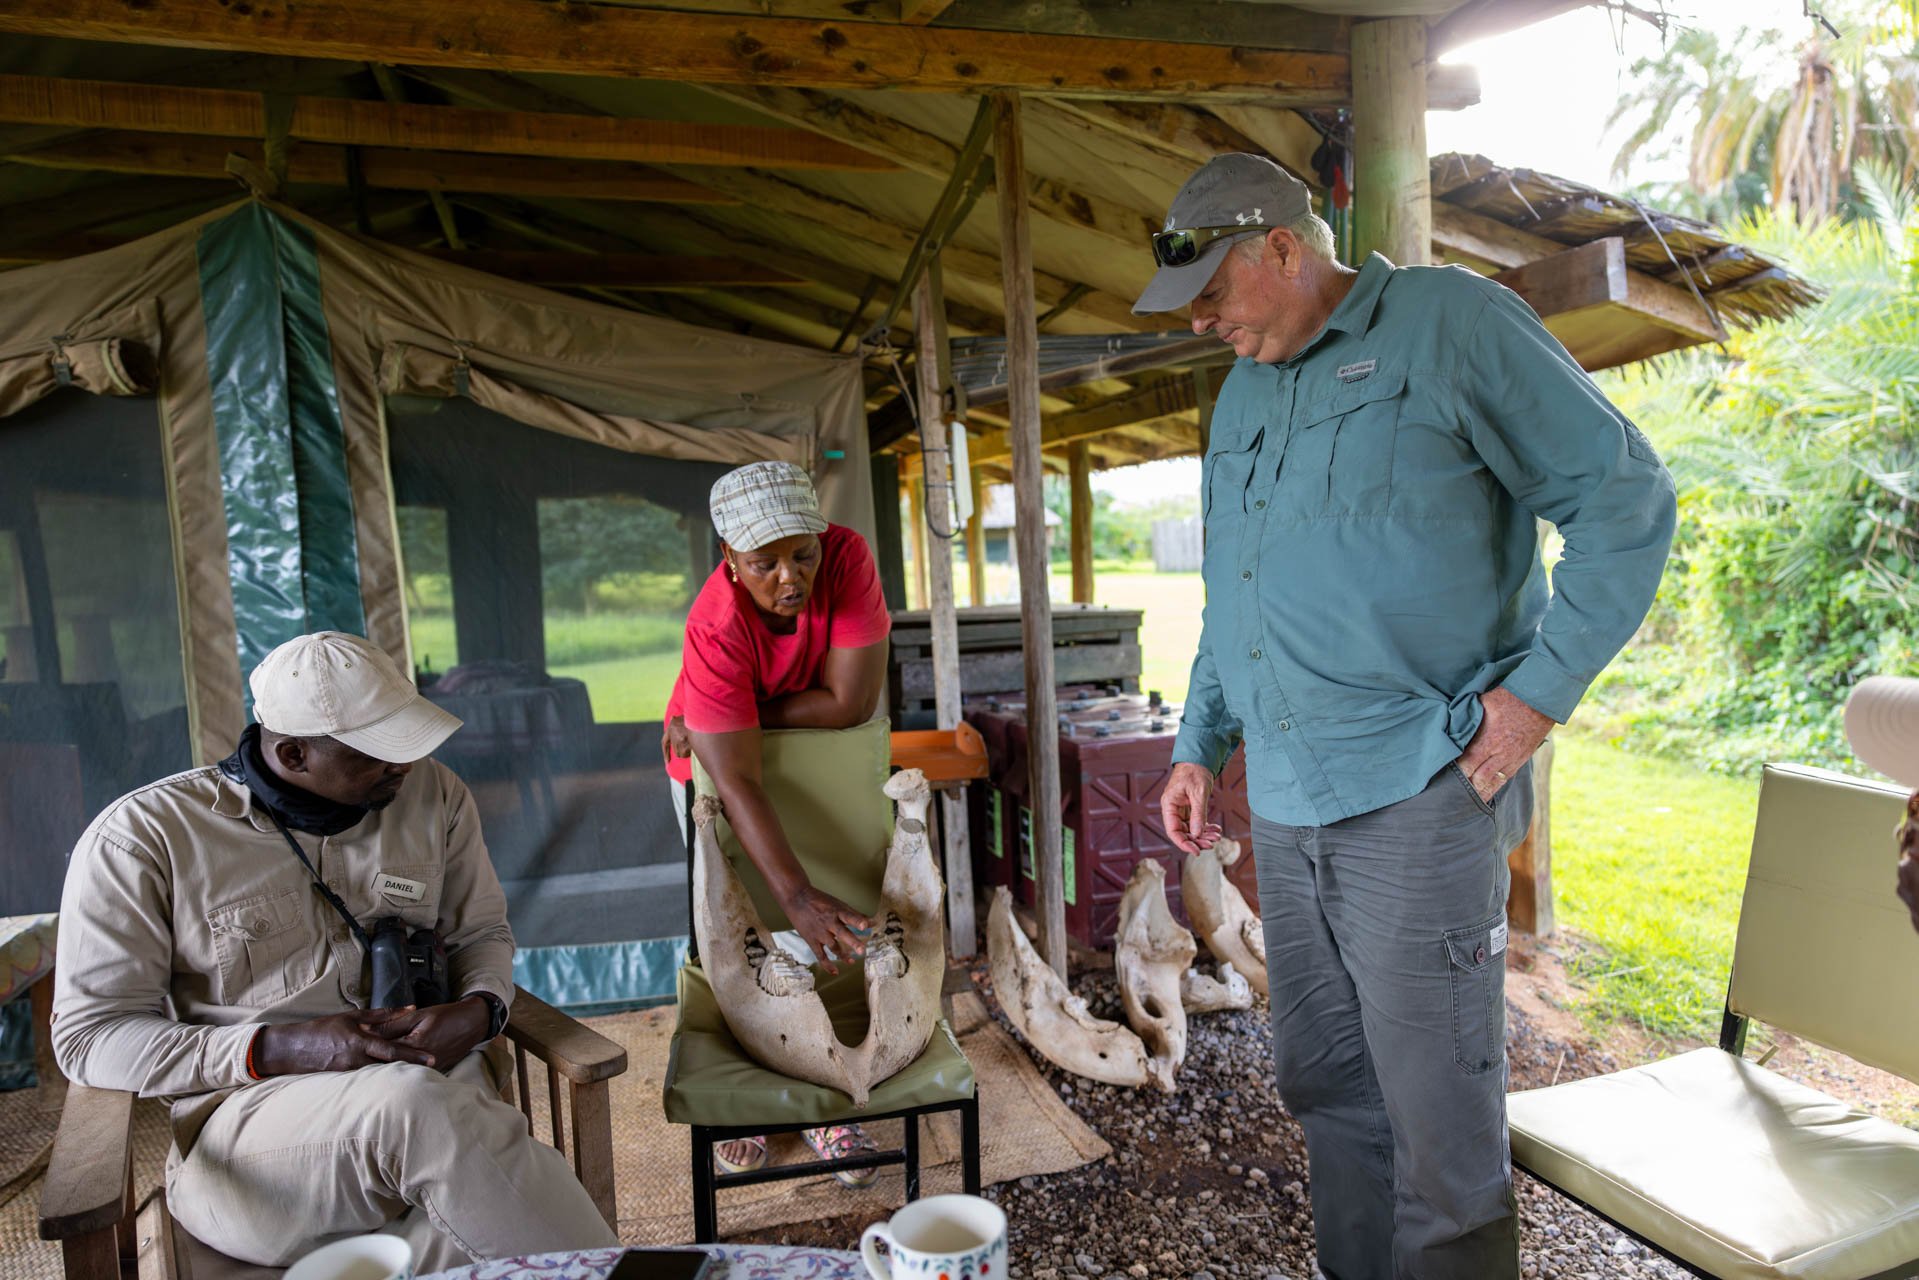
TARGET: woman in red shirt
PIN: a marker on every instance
(788, 633)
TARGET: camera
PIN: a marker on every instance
(408, 968)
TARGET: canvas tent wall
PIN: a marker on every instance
(252, 425)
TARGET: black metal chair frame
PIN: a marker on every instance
(707, 1183)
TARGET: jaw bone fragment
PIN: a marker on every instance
(1201, 994)
(1052, 1018)
(768, 997)
(1150, 952)
(906, 956)
(1220, 915)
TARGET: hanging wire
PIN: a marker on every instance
(952, 494)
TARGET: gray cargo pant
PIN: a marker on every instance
(1385, 941)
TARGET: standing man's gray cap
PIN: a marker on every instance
(763, 502)
(1236, 189)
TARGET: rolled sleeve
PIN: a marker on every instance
(473, 924)
(110, 1023)
(1549, 435)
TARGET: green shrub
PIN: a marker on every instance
(1793, 573)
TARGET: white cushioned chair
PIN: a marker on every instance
(1727, 1168)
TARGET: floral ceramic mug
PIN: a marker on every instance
(939, 1238)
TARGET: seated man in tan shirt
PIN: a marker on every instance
(200, 961)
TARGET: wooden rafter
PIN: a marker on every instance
(1494, 244)
(616, 40)
(921, 152)
(185, 156)
(971, 276)
(99, 104)
(653, 272)
(109, 204)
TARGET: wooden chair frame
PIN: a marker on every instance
(91, 1206)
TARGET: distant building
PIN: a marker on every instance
(997, 521)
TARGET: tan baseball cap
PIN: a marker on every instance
(1882, 724)
(763, 502)
(331, 684)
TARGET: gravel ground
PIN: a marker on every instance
(1210, 1183)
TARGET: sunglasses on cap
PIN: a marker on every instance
(1182, 245)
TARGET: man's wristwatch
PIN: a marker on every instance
(495, 1013)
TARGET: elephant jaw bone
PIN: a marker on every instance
(1150, 952)
(765, 995)
(1201, 994)
(1220, 915)
(1050, 1017)
(906, 954)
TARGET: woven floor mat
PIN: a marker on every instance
(1024, 1129)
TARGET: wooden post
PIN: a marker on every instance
(1529, 903)
(1029, 524)
(916, 512)
(1392, 186)
(976, 540)
(1079, 461)
(936, 476)
(1203, 401)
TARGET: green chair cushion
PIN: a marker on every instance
(710, 1080)
(825, 786)
(1739, 1171)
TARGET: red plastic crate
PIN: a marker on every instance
(1112, 772)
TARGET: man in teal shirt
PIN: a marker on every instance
(1380, 634)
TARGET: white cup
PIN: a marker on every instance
(938, 1238)
(371, 1257)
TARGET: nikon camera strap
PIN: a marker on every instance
(333, 899)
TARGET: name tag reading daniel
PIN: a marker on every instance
(399, 887)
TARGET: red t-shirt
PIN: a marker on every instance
(730, 662)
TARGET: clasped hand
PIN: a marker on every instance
(437, 1036)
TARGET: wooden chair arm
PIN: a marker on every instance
(86, 1183)
(577, 1052)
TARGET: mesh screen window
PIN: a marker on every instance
(547, 584)
(92, 683)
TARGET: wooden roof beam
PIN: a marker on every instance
(1488, 240)
(185, 156)
(921, 152)
(224, 113)
(617, 40)
(648, 272)
(1595, 275)
(971, 277)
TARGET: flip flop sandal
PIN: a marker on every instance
(838, 1140)
(756, 1160)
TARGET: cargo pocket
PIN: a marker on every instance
(1476, 960)
(259, 941)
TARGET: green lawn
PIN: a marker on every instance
(1649, 862)
(1169, 633)
(623, 687)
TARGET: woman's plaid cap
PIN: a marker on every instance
(763, 502)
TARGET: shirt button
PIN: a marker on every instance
(257, 926)
(339, 933)
(333, 883)
(1260, 505)
(1245, 575)
(1284, 725)
(1255, 655)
